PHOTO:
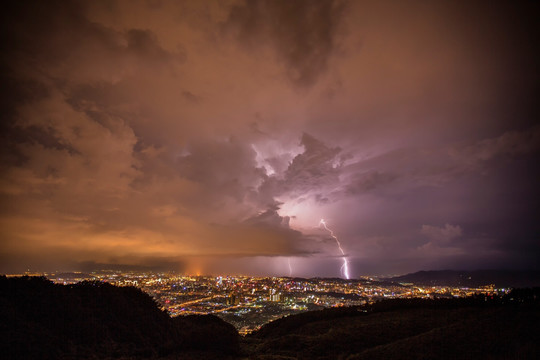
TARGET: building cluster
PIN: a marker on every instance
(250, 302)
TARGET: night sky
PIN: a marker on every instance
(211, 137)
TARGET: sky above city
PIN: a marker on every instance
(211, 137)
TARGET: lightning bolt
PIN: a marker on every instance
(290, 267)
(345, 267)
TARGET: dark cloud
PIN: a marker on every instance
(304, 33)
(143, 45)
(46, 137)
(369, 182)
(191, 97)
(314, 167)
(147, 265)
(509, 144)
(270, 217)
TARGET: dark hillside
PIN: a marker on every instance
(285, 325)
(41, 320)
(408, 329)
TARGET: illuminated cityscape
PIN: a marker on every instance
(250, 302)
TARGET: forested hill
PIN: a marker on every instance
(42, 320)
(499, 278)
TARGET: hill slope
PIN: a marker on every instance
(431, 329)
(41, 320)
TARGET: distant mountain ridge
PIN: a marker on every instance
(499, 278)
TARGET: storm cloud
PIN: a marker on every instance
(212, 137)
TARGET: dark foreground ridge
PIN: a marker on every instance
(464, 328)
(95, 320)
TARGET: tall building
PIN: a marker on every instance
(233, 299)
(275, 296)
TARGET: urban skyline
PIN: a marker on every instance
(251, 302)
